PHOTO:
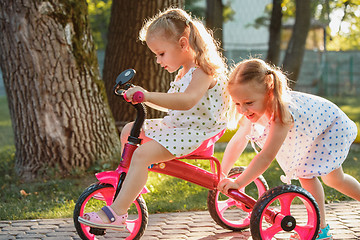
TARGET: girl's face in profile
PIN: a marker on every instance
(168, 53)
(251, 100)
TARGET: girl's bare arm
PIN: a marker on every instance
(236, 145)
(199, 84)
(262, 160)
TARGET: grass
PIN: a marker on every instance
(55, 198)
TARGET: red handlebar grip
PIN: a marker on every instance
(138, 97)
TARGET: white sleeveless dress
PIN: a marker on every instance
(319, 141)
(181, 132)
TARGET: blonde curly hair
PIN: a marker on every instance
(176, 23)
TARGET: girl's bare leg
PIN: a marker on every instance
(125, 132)
(344, 183)
(313, 186)
(148, 153)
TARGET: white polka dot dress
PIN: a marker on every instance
(319, 141)
(181, 132)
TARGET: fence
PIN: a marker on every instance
(322, 73)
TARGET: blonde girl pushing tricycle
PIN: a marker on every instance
(309, 136)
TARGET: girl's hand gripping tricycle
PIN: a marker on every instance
(278, 212)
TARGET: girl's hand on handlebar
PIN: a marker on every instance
(129, 94)
(226, 184)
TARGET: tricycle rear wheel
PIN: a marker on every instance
(295, 211)
(229, 213)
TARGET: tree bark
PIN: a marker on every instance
(214, 19)
(124, 51)
(56, 98)
(296, 47)
(273, 54)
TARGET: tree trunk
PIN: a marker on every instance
(124, 51)
(296, 48)
(273, 53)
(56, 98)
(214, 18)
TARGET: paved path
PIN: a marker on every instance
(344, 219)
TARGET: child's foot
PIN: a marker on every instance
(116, 222)
(323, 234)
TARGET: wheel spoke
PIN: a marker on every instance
(130, 225)
(223, 205)
(246, 220)
(285, 202)
(304, 231)
(86, 229)
(271, 231)
(105, 195)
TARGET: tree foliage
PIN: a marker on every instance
(99, 16)
(342, 18)
(346, 34)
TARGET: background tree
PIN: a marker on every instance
(273, 54)
(214, 18)
(216, 13)
(296, 47)
(124, 51)
(195, 7)
(56, 99)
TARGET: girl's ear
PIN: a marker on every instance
(184, 43)
(270, 93)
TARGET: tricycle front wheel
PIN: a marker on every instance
(98, 195)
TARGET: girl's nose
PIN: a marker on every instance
(241, 109)
(158, 60)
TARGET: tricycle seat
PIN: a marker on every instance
(206, 149)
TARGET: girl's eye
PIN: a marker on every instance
(249, 103)
(161, 54)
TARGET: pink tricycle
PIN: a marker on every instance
(270, 214)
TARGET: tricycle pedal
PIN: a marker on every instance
(97, 231)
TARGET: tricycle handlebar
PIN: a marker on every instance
(122, 84)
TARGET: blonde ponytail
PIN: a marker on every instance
(280, 90)
(208, 56)
(176, 23)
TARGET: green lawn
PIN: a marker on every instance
(56, 198)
